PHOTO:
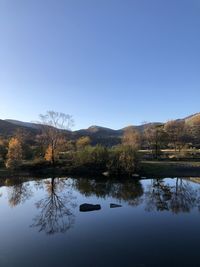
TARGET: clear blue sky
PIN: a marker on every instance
(106, 62)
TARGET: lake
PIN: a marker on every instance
(152, 222)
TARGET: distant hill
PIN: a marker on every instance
(191, 118)
(8, 128)
(25, 124)
(98, 134)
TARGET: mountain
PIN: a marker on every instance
(9, 127)
(191, 118)
(98, 134)
(24, 124)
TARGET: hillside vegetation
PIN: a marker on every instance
(96, 149)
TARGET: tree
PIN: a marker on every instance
(3, 149)
(131, 137)
(83, 142)
(154, 137)
(26, 140)
(194, 127)
(14, 156)
(49, 154)
(177, 133)
(128, 160)
(53, 125)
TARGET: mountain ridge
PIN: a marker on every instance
(98, 134)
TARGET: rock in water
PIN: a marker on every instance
(115, 205)
(89, 207)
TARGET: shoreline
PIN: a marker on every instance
(147, 169)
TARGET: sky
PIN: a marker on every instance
(106, 62)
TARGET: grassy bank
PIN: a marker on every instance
(170, 168)
(147, 169)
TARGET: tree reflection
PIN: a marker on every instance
(184, 197)
(89, 187)
(178, 197)
(129, 191)
(18, 192)
(56, 209)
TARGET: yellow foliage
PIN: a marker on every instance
(131, 138)
(51, 154)
(14, 156)
(83, 142)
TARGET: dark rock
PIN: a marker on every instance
(89, 207)
(115, 205)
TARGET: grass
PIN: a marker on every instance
(170, 168)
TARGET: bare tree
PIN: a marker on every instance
(154, 137)
(53, 125)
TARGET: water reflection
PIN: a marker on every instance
(57, 197)
(18, 191)
(129, 191)
(56, 208)
(176, 197)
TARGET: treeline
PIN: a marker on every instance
(178, 135)
(53, 147)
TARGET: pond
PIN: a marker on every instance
(152, 222)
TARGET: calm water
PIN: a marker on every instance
(158, 223)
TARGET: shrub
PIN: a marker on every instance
(123, 160)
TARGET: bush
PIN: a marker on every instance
(123, 160)
(96, 155)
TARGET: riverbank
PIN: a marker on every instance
(170, 168)
(147, 169)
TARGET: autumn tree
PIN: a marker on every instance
(83, 141)
(177, 133)
(26, 140)
(14, 156)
(54, 126)
(132, 138)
